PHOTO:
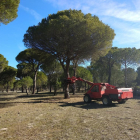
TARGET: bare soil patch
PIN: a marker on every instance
(47, 117)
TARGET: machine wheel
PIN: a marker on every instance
(106, 100)
(122, 101)
(87, 99)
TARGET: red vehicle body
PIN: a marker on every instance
(104, 91)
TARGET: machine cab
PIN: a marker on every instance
(95, 91)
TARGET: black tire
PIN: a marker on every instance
(106, 100)
(122, 101)
(87, 99)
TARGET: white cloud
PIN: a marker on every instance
(36, 15)
(122, 16)
(103, 7)
(136, 4)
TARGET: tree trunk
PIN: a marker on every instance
(73, 88)
(34, 82)
(7, 89)
(26, 90)
(66, 72)
(66, 94)
(50, 87)
(22, 89)
(74, 84)
(109, 74)
(55, 91)
(109, 70)
(125, 75)
(79, 88)
(37, 90)
(85, 86)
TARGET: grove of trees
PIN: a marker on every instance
(69, 35)
(50, 75)
(58, 47)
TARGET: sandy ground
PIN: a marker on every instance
(45, 117)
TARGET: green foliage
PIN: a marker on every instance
(1, 87)
(17, 84)
(26, 82)
(138, 76)
(108, 67)
(53, 67)
(108, 61)
(117, 78)
(83, 73)
(7, 76)
(130, 57)
(56, 82)
(70, 35)
(54, 72)
(32, 57)
(23, 70)
(136, 90)
(8, 10)
(131, 77)
(3, 62)
(32, 60)
(41, 79)
(98, 72)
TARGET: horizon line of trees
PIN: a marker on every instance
(49, 73)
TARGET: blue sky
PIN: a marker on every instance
(121, 15)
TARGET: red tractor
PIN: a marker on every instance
(104, 91)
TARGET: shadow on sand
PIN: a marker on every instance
(49, 98)
(92, 105)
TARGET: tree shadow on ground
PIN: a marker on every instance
(7, 96)
(9, 104)
(45, 94)
(56, 98)
(47, 99)
(34, 95)
(8, 100)
(5, 105)
(92, 105)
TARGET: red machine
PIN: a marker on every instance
(104, 91)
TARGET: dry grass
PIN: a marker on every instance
(46, 117)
